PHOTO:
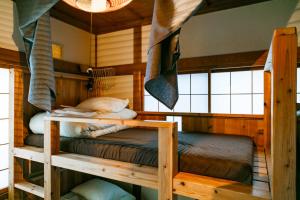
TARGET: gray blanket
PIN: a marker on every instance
(34, 26)
(161, 72)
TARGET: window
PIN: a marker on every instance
(237, 92)
(4, 124)
(240, 92)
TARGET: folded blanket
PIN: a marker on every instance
(78, 129)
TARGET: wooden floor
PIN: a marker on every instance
(260, 172)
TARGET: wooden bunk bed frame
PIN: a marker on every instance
(278, 139)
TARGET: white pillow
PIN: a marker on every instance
(76, 129)
(124, 114)
(36, 123)
(97, 189)
(104, 104)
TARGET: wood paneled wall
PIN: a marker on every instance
(115, 48)
(119, 87)
(231, 124)
(248, 126)
(7, 21)
(70, 91)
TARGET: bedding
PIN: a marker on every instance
(76, 129)
(220, 156)
(97, 189)
(104, 104)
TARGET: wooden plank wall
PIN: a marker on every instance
(232, 124)
(248, 126)
(70, 91)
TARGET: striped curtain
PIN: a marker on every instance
(34, 26)
(161, 72)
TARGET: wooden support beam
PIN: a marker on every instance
(126, 172)
(208, 188)
(16, 133)
(51, 174)
(167, 161)
(138, 91)
(137, 44)
(283, 150)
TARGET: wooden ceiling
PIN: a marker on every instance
(137, 13)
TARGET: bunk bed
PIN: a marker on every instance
(277, 151)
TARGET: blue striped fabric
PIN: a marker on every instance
(161, 72)
(34, 25)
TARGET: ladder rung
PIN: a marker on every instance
(30, 188)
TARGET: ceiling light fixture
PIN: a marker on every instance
(98, 6)
(91, 5)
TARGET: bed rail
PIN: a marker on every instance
(167, 157)
(281, 117)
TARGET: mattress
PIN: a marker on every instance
(221, 156)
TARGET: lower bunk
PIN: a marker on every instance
(212, 166)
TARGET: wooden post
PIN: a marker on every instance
(267, 120)
(16, 134)
(138, 91)
(167, 161)
(51, 174)
(137, 44)
(283, 114)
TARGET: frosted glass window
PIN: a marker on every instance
(258, 104)
(241, 82)
(4, 157)
(4, 131)
(3, 179)
(150, 104)
(4, 106)
(175, 119)
(298, 98)
(183, 104)
(4, 79)
(220, 103)
(145, 92)
(258, 81)
(298, 80)
(241, 104)
(170, 119)
(179, 122)
(184, 84)
(163, 108)
(220, 83)
(199, 83)
(199, 103)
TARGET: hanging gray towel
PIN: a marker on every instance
(34, 25)
(161, 71)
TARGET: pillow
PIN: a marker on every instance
(72, 196)
(97, 189)
(124, 114)
(104, 104)
(36, 123)
(77, 129)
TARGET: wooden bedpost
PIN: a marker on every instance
(16, 133)
(283, 114)
(51, 174)
(138, 91)
(167, 161)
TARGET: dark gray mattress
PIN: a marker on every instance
(220, 156)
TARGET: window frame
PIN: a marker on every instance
(211, 70)
(4, 190)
